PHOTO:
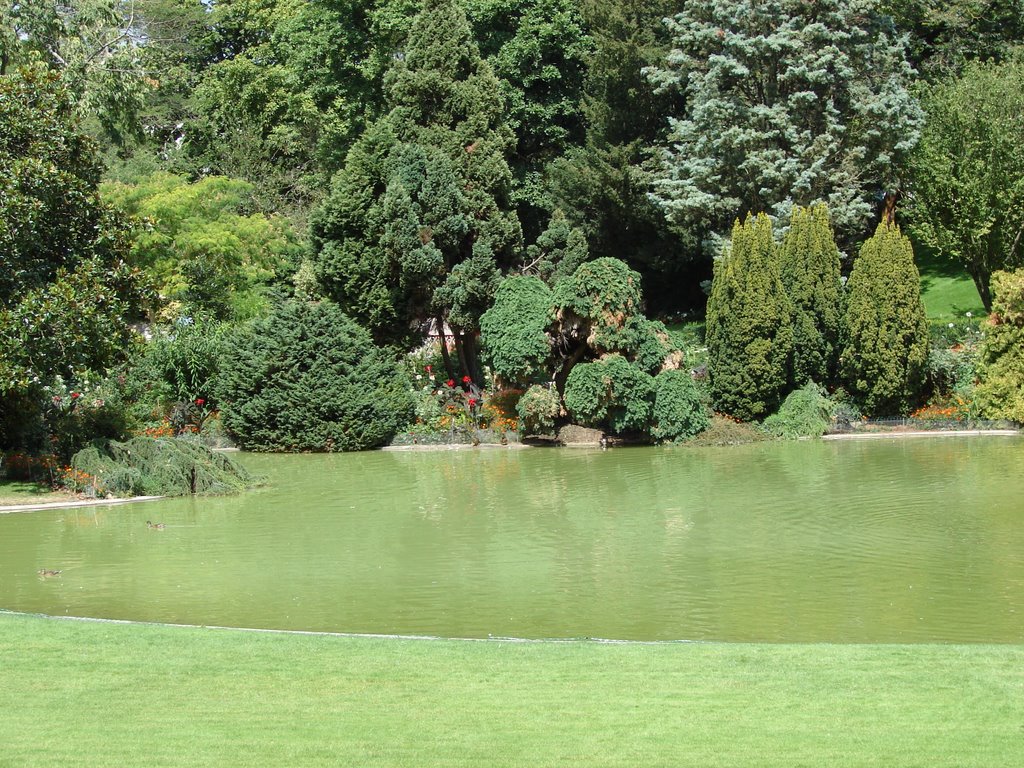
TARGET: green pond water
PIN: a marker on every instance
(875, 541)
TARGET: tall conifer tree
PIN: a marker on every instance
(885, 359)
(749, 324)
(809, 267)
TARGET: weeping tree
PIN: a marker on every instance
(749, 324)
(809, 268)
(420, 225)
(885, 359)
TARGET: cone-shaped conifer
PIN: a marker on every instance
(809, 266)
(749, 324)
(885, 359)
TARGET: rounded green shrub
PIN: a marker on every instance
(513, 331)
(610, 394)
(538, 408)
(678, 411)
(806, 412)
(307, 378)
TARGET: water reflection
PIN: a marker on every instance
(908, 541)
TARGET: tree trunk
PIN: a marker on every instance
(439, 320)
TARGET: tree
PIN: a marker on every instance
(538, 49)
(1000, 390)
(968, 172)
(307, 378)
(93, 43)
(947, 34)
(514, 331)
(749, 324)
(787, 102)
(809, 268)
(885, 359)
(429, 219)
(201, 250)
(66, 290)
(603, 185)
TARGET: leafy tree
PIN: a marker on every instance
(429, 220)
(603, 185)
(283, 97)
(201, 249)
(787, 102)
(749, 325)
(968, 172)
(1000, 390)
(538, 49)
(809, 268)
(946, 34)
(558, 251)
(885, 359)
(92, 43)
(307, 378)
(66, 291)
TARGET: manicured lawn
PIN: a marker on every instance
(18, 492)
(88, 694)
(948, 292)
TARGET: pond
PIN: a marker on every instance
(861, 541)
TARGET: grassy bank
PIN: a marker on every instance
(88, 694)
(19, 492)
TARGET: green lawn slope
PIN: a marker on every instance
(94, 694)
(947, 290)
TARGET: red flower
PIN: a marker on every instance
(466, 379)
(450, 382)
(75, 395)
(429, 369)
(200, 401)
(472, 402)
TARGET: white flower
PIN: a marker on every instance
(950, 325)
(969, 314)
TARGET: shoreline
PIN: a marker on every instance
(11, 508)
(922, 433)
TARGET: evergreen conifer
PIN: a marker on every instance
(749, 324)
(885, 358)
(809, 267)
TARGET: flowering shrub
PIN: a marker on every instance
(954, 408)
(23, 466)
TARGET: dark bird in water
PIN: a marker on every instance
(45, 572)
(157, 526)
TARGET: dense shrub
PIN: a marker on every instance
(538, 408)
(726, 431)
(1000, 392)
(610, 394)
(514, 330)
(807, 412)
(145, 466)
(749, 325)
(307, 378)
(885, 361)
(601, 302)
(678, 411)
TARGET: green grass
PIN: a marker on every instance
(948, 292)
(89, 694)
(20, 492)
